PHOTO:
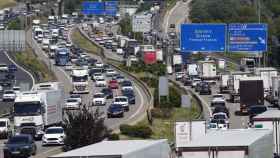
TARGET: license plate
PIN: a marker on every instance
(15, 152)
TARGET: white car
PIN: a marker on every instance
(195, 82)
(179, 75)
(110, 72)
(99, 99)
(100, 82)
(120, 51)
(122, 100)
(77, 97)
(96, 76)
(9, 95)
(120, 79)
(217, 124)
(4, 67)
(99, 64)
(72, 103)
(220, 116)
(68, 44)
(218, 96)
(53, 135)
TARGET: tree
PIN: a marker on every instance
(84, 128)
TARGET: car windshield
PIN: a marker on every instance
(98, 96)
(116, 106)
(54, 130)
(120, 99)
(9, 92)
(221, 104)
(219, 117)
(18, 140)
(126, 84)
(75, 96)
(106, 90)
(217, 96)
(100, 79)
(71, 100)
(2, 124)
(27, 108)
(79, 79)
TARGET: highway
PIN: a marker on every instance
(63, 76)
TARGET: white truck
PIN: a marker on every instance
(177, 59)
(46, 44)
(266, 73)
(269, 120)
(247, 64)
(159, 55)
(224, 83)
(80, 81)
(39, 108)
(221, 63)
(207, 69)
(275, 90)
(192, 70)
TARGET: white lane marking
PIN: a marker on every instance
(139, 107)
(32, 78)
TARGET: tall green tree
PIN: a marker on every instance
(84, 128)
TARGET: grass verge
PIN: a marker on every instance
(84, 43)
(164, 128)
(235, 56)
(7, 3)
(28, 59)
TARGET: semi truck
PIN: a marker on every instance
(251, 93)
(207, 69)
(62, 56)
(38, 109)
(266, 73)
(224, 83)
(177, 59)
(192, 70)
(247, 64)
(80, 81)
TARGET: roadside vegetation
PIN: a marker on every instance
(15, 24)
(40, 71)
(84, 43)
(242, 11)
(7, 3)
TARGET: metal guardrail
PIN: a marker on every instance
(188, 91)
(111, 62)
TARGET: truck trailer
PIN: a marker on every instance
(207, 69)
(251, 93)
(224, 83)
(39, 108)
(269, 120)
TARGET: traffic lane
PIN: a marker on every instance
(235, 121)
(21, 76)
(108, 52)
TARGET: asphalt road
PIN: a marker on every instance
(64, 77)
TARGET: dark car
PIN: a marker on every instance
(130, 95)
(205, 90)
(221, 108)
(254, 110)
(12, 68)
(21, 145)
(108, 93)
(187, 81)
(29, 130)
(91, 61)
(115, 110)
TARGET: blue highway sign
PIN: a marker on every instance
(203, 37)
(111, 8)
(95, 8)
(247, 37)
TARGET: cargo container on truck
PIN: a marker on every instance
(46, 44)
(177, 59)
(274, 95)
(148, 54)
(159, 55)
(251, 93)
(231, 143)
(192, 70)
(266, 73)
(269, 120)
(224, 83)
(221, 63)
(207, 69)
(39, 108)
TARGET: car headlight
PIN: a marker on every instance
(26, 147)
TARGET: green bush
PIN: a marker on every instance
(140, 131)
(114, 136)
